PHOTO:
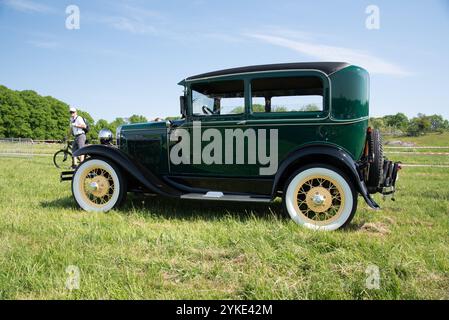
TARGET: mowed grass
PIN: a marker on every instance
(156, 248)
(430, 139)
(28, 148)
(426, 159)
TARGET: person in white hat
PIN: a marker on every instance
(77, 126)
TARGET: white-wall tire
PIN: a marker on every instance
(320, 197)
(98, 186)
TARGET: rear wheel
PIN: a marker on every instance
(320, 197)
(98, 185)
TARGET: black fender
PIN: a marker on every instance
(327, 154)
(131, 166)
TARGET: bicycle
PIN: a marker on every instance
(61, 157)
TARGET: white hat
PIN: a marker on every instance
(72, 109)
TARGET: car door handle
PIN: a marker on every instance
(241, 123)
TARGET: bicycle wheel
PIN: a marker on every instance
(62, 159)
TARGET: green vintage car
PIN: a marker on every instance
(297, 131)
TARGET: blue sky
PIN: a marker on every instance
(128, 56)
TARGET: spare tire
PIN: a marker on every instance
(375, 172)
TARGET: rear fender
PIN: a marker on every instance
(327, 154)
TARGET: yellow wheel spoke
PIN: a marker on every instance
(320, 199)
(98, 186)
(300, 203)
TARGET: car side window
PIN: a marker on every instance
(287, 94)
(218, 98)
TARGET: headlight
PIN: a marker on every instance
(105, 136)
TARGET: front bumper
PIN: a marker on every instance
(66, 175)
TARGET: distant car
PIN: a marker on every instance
(298, 131)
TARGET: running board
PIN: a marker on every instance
(226, 197)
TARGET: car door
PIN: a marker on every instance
(292, 107)
(216, 109)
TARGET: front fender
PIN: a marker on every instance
(328, 154)
(131, 166)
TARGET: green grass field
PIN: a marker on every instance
(420, 159)
(431, 139)
(163, 249)
(37, 149)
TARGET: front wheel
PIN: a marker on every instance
(98, 185)
(320, 197)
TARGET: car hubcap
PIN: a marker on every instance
(320, 199)
(97, 186)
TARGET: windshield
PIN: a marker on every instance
(218, 98)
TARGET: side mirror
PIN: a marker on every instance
(183, 105)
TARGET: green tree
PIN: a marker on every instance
(310, 107)
(376, 123)
(437, 123)
(57, 113)
(28, 114)
(137, 119)
(173, 118)
(397, 121)
(279, 109)
(102, 124)
(116, 123)
(15, 114)
(419, 125)
(256, 108)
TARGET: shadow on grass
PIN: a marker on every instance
(354, 226)
(177, 209)
(169, 208)
(191, 210)
(61, 203)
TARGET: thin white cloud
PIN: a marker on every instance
(136, 20)
(333, 53)
(229, 38)
(88, 51)
(28, 6)
(139, 12)
(287, 33)
(44, 44)
(133, 25)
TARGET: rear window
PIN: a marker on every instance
(287, 94)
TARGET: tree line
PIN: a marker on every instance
(26, 114)
(400, 124)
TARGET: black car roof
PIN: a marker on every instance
(326, 67)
